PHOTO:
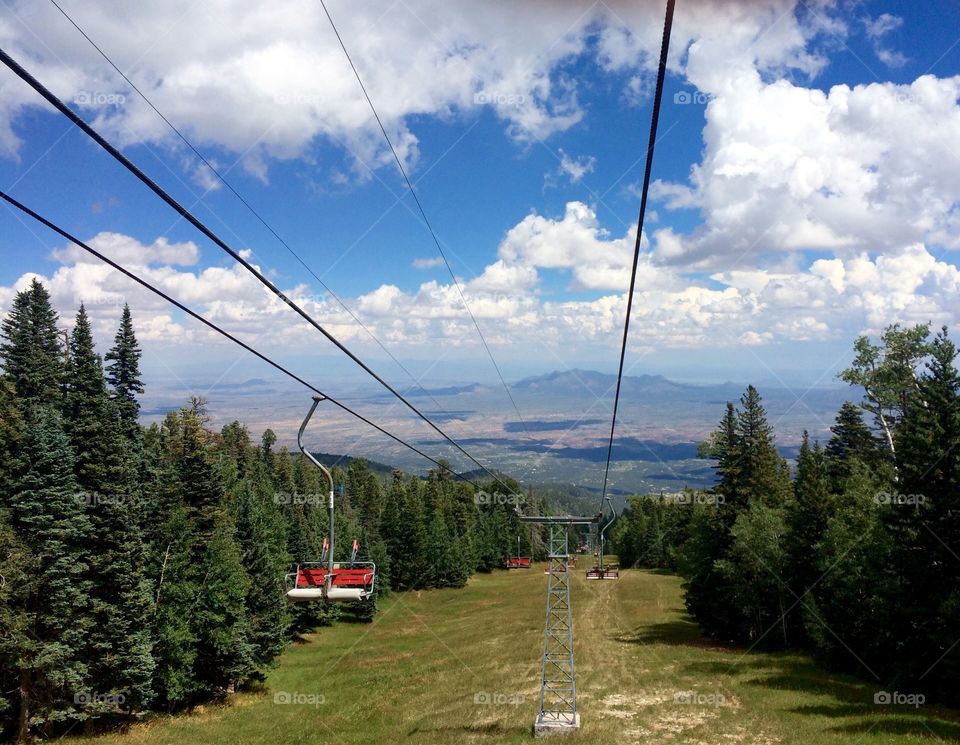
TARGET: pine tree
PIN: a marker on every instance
(416, 567)
(198, 479)
(16, 562)
(925, 518)
(392, 530)
(106, 471)
(225, 655)
(101, 463)
(51, 521)
(11, 435)
(843, 611)
(762, 475)
(31, 351)
(175, 598)
(807, 519)
(123, 375)
(261, 536)
(754, 489)
(852, 441)
(754, 568)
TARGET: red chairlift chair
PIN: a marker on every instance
(600, 570)
(326, 579)
(518, 561)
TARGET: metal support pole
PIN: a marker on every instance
(603, 531)
(318, 464)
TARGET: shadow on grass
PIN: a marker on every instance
(898, 724)
(842, 696)
(492, 728)
(683, 632)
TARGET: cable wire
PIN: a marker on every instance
(144, 283)
(655, 117)
(244, 201)
(426, 221)
(24, 75)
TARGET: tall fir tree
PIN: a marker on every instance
(807, 518)
(925, 518)
(49, 518)
(106, 471)
(31, 351)
(124, 377)
(851, 442)
(261, 536)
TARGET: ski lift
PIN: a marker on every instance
(326, 579)
(600, 570)
(518, 561)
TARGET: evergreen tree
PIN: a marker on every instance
(392, 531)
(11, 435)
(31, 351)
(852, 442)
(754, 568)
(925, 518)
(123, 375)
(15, 565)
(753, 490)
(225, 655)
(101, 462)
(47, 516)
(261, 536)
(761, 474)
(416, 567)
(807, 517)
(175, 597)
(843, 612)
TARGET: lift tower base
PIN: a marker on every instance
(549, 723)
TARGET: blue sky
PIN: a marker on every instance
(729, 286)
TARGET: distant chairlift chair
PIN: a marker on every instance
(601, 570)
(326, 579)
(518, 561)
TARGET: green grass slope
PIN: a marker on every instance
(462, 666)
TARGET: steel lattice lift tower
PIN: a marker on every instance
(557, 708)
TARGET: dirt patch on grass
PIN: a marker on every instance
(620, 706)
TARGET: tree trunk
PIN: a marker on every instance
(886, 431)
(23, 721)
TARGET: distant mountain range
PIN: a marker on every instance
(560, 438)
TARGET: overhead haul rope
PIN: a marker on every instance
(657, 98)
(220, 243)
(210, 324)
